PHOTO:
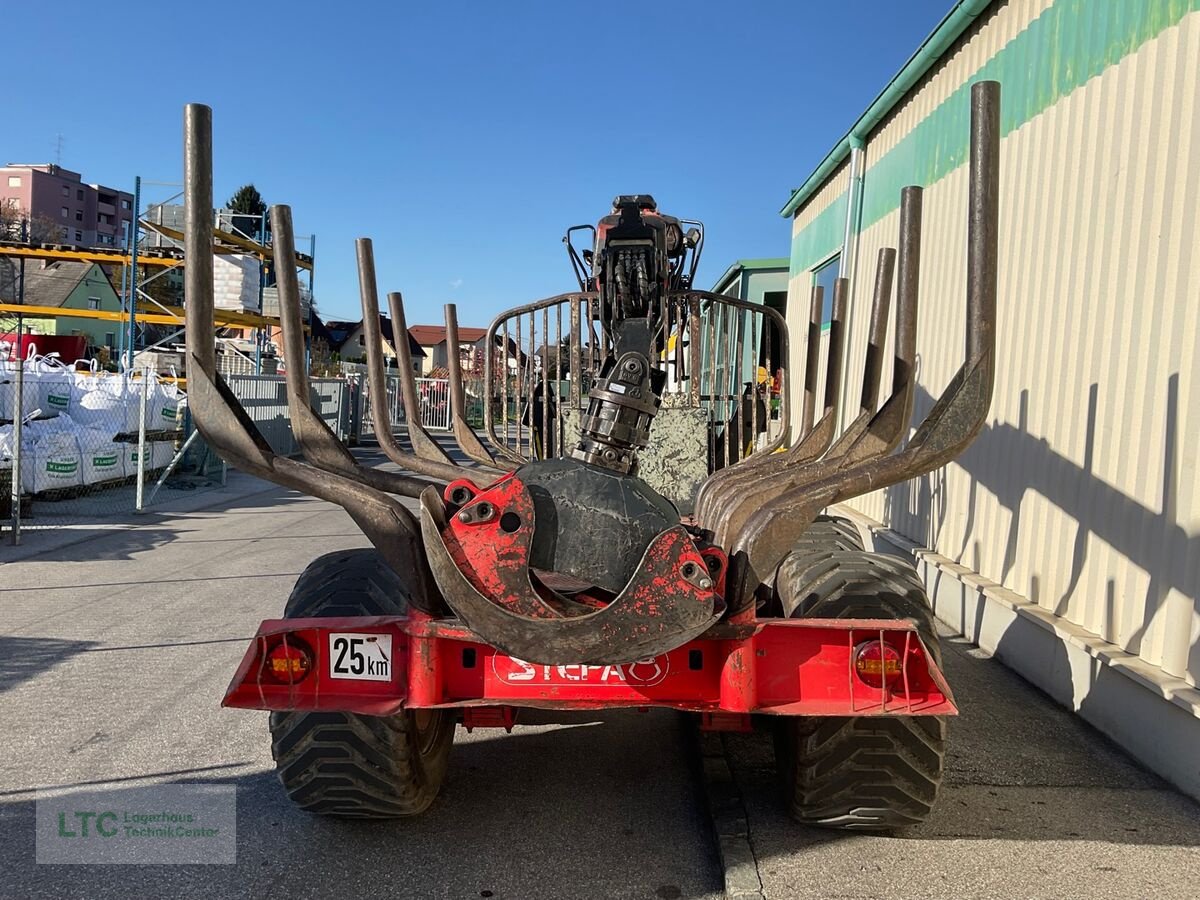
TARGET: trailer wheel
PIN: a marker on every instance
(345, 764)
(867, 773)
(827, 534)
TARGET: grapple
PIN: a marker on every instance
(634, 494)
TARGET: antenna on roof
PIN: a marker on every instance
(58, 151)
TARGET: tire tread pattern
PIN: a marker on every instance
(345, 764)
(867, 773)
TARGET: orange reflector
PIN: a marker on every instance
(288, 661)
(877, 663)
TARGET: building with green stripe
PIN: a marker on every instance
(1067, 539)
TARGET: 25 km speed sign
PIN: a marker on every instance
(360, 657)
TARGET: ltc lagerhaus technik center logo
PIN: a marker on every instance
(162, 824)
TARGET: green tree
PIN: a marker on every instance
(248, 201)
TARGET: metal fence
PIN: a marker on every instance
(83, 444)
(80, 446)
(722, 362)
(433, 397)
(264, 397)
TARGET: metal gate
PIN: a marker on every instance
(434, 396)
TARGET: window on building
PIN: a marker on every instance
(362, 340)
(78, 236)
(66, 232)
(79, 215)
(14, 180)
(824, 277)
(110, 339)
(125, 204)
(772, 340)
(79, 196)
(65, 212)
(93, 302)
(66, 191)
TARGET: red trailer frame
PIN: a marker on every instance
(796, 667)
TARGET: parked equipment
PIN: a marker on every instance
(557, 571)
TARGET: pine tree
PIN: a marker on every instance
(249, 202)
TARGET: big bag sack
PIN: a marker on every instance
(33, 397)
(102, 458)
(112, 405)
(56, 384)
(52, 463)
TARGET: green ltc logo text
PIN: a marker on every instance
(84, 819)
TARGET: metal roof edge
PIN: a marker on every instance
(750, 265)
(960, 17)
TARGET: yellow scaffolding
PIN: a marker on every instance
(173, 315)
(224, 243)
(163, 257)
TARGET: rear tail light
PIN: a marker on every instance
(288, 662)
(877, 663)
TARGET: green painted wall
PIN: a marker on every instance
(93, 284)
(1070, 43)
(821, 237)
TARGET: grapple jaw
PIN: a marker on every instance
(480, 554)
(485, 568)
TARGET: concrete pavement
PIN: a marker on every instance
(114, 658)
(114, 654)
(1036, 803)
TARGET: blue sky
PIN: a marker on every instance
(463, 137)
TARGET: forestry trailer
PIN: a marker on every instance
(633, 529)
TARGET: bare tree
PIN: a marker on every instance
(41, 229)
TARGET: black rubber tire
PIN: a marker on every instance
(868, 773)
(827, 534)
(350, 765)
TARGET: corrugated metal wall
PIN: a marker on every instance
(824, 214)
(1082, 493)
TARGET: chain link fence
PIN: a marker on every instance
(79, 445)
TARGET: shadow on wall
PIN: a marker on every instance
(1153, 540)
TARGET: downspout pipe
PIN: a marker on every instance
(947, 32)
(849, 261)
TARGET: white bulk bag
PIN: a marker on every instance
(33, 397)
(103, 459)
(87, 379)
(162, 404)
(165, 404)
(56, 384)
(53, 462)
(158, 455)
(111, 404)
(6, 447)
(44, 429)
